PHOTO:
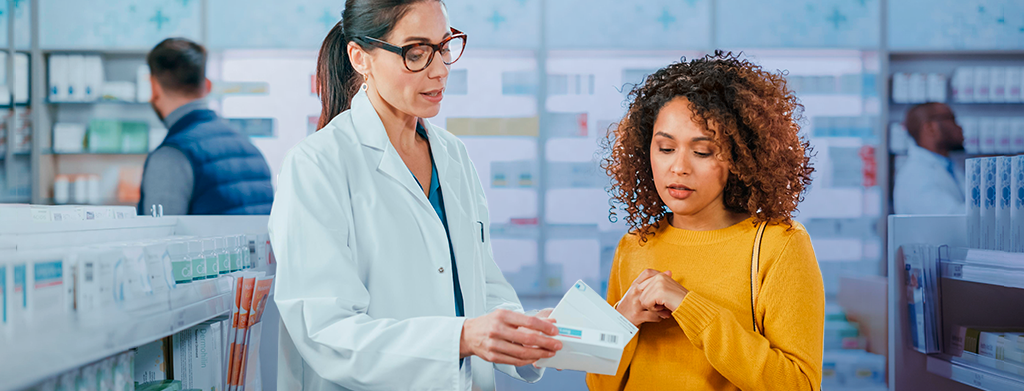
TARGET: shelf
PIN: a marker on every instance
(980, 104)
(97, 102)
(16, 153)
(974, 374)
(126, 51)
(98, 153)
(64, 345)
(959, 53)
(985, 267)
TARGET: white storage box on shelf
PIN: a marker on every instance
(40, 343)
(979, 288)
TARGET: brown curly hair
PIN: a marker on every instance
(754, 117)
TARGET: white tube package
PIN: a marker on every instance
(1017, 204)
(973, 187)
(1003, 190)
(988, 204)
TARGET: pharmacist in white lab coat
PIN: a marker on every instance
(929, 182)
(385, 277)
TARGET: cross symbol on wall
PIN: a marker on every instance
(666, 19)
(497, 19)
(17, 4)
(327, 19)
(836, 18)
(159, 19)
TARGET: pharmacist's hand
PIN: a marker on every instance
(631, 307)
(661, 291)
(507, 337)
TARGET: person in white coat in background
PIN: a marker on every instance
(929, 182)
(385, 277)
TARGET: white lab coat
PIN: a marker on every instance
(923, 185)
(364, 282)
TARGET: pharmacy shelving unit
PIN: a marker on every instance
(12, 159)
(119, 65)
(944, 62)
(970, 296)
(41, 350)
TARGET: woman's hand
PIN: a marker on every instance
(631, 307)
(507, 337)
(661, 291)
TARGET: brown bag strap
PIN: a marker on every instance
(755, 282)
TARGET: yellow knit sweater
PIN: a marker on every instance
(710, 343)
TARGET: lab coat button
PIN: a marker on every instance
(440, 270)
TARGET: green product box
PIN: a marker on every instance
(104, 136)
(212, 266)
(236, 262)
(182, 271)
(134, 137)
(225, 263)
(198, 268)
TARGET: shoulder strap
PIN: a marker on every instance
(755, 282)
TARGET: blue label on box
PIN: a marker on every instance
(48, 274)
(571, 333)
(19, 284)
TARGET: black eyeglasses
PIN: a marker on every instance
(418, 56)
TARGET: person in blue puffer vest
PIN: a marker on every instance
(204, 166)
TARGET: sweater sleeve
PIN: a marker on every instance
(617, 284)
(791, 305)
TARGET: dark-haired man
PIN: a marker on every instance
(204, 166)
(929, 182)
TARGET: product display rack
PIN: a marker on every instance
(974, 293)
(52, 347)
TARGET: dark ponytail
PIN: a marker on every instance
(337, 81)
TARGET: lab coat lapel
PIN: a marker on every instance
(450, 174)
(372, 134)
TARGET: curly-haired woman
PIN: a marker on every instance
(723, 284)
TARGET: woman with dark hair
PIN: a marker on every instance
(385, 277)
(722, 283)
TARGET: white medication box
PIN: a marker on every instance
(1003, 190)
(973, 192)
(581, 311)
(988, 203)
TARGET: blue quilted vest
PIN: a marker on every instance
(231, 175)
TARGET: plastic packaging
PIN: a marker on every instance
(158, 266)
(105, 373)
(87, 379)
(195, 253)
(66, 381)
(223, 254)
(181, 264)
(210, 254)
(123, 368)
